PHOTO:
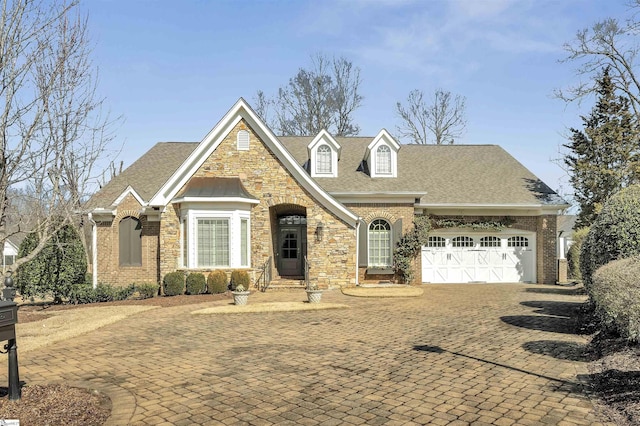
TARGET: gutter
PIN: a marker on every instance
(94, 251)
(357, 251)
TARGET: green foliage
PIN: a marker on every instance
(573, 255)
(54, 271)
(217, 282)
(239, 278)
(409, 247)
(479, 225)
(173, 284)
(603, 158)
(240, 288)
(615, 291)
(146, 290)
(84, 293)
(196, 283)
(615, 234)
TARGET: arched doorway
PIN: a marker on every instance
(290, 240)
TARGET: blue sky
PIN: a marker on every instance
(172, 69)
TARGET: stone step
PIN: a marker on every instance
(285, 284)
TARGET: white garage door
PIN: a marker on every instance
(491, 258)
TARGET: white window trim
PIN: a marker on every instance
(235, 246)
(314, 162)
(243, 144)
(369, 261)
(383, 138)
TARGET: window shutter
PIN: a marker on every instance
(397, 232)
(363, 255)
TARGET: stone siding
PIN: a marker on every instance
(109, 269)
(333, 260)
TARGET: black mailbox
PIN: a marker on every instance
(8, 320)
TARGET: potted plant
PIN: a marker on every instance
(240, 296)
(239, 287)
(314, 294)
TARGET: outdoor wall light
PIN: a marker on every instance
(319, 231)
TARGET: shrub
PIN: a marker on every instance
(615, 234)
(240, 278)
(56, 270)
(409, 247)
(146, 290)
(217, 282)
(196, 283)
(84, 293)
(573, 255)
(173, 283)
(615, 291)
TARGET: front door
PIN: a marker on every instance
(290, 252)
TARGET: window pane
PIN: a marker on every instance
(213, 242)
(380, 243)
(9, 259)
(244, 242)
(323, 159)
(383, 160)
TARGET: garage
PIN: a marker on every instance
(479, 258)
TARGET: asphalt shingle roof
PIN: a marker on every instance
(147, 175)
(447, 174)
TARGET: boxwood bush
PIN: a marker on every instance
(615, 291)
(217, 282)
(240, 278)
(85, 293)
(196, 283)
(146, 290)
(173, 284)
(615, 234)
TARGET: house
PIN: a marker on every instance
(243, 198)
(9, 255)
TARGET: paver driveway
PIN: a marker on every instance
(459, 354)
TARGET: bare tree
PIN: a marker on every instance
(324, 97)
(53, 132)
(608, 43)
(441, 119)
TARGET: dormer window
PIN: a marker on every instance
(383, 160)
(323, 160)
(381, 156)
(324, 154)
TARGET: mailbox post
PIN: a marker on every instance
(8, 320)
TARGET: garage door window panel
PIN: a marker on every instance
(518, 241)
(489, 242)
(462, 242)
(436, 242)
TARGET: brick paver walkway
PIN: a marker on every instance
(459, 354)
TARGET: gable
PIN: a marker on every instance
(242, 113)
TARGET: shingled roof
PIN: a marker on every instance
(448, 174)
(146, 175)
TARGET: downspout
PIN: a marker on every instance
(94, 251)
(357, 251)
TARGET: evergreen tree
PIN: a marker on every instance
(55, 270)
(603, 157)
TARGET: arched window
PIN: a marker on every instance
(462, 242)
(130, 235)
(518, 241)
(323, 159)
(436, 242)
(489, 242)
(243, 140)
(380, 243)
(383, 160)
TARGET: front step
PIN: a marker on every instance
(285, 284)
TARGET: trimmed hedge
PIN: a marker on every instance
(196, 283)
(85, 293)
(173, 284)
(615, 291)
(146, 290)
(217, 282)
(615, 234)
(573, 255)
(240, 278)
